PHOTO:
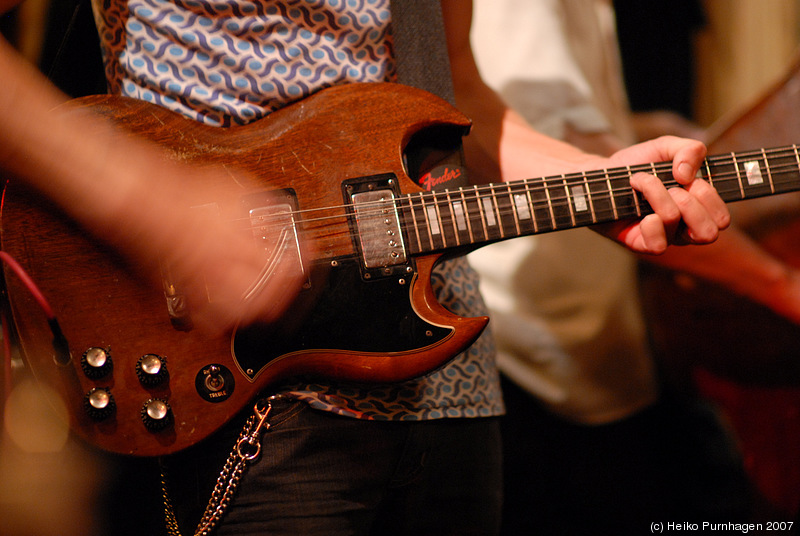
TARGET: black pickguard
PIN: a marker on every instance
(349, 315)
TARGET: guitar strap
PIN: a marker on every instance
(421, 60)
(420, 47)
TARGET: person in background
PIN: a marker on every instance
(592, 432)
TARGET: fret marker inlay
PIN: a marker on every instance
(579, 198)
(488, 208)
(433, 222)
(753, 171)
(458, 211)
(521, 202)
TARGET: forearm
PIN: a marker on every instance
(69, 156)
(502, 145)
(738, 263)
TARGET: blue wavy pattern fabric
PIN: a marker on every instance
(227, 62)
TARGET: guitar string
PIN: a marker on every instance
(556, 182)
(517, 188)
(533, 186)
(504, 215)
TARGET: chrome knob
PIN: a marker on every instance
(99, 404)
(96, 362)
(151, 369)
(156, 414)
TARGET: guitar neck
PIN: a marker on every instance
(446, 219)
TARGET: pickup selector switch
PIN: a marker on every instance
(156, 414)
(151, 369)
(96, 362)
(214, 383)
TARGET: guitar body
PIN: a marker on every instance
(355, 320)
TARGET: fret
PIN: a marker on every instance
(611, 195)
(523, 205)
(514, 211)
(549, 204)
(654, 171)
(414, 222)
(590, 197)
(468, 218)
(568, 200)
(725, 178)
(558, 202)
(624, 199)
(446, 218)
(473, 212)
(753, 183)
(784, 168)
(459, 221)
(506, 212)
(491, 209)
(539, 194)
(738, 174)
(797, 163)
(709, 176)
(531, 203)
(579, 201)
(634, 194)
(484, 225)
(453, 218)
(439, 224)
(431, 223)
(769, 172)
(601, 197)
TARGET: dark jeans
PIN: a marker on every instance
(324, 474)
(672, 461)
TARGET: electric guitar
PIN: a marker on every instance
(333, 171)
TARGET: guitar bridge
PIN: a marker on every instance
(275, 227)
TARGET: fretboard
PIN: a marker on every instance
(479, 215)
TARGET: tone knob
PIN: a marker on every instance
(151, 370)
(156, 414)
(96, 362)
(99, 404)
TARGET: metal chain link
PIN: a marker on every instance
(246, 451)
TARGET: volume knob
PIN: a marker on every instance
(96, 362)
(151, 369)
(99, 403)
(156, 414)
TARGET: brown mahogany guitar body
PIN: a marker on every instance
(363, 324)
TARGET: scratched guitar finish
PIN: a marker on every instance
(330, 172)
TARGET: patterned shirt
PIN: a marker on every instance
(229, 62)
